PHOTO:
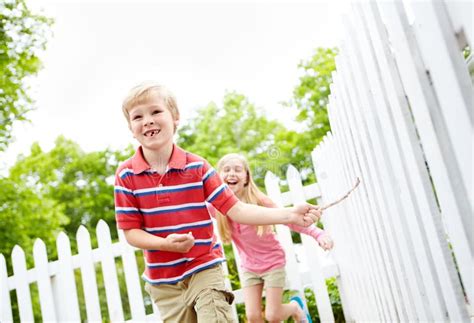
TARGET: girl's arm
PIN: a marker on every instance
(324, 240)
(303, 215)
(312, 231)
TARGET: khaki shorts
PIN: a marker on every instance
(273, 278)
(202, 297)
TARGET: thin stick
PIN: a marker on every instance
(342, 198)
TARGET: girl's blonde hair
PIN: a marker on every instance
(251, 195)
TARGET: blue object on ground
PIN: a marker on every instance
(298, 300)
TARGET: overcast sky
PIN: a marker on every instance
(199, 49)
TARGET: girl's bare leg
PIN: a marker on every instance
(275, 311)
(253, 303)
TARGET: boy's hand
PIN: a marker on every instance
(325, 241)
(305, 214)
(177, 242)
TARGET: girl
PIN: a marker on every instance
(262, 256)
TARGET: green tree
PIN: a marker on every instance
(26, 215)
(311, 95)
(58, 190)
(236, 126)
(310, 98)
(80, 183)
(23, 35)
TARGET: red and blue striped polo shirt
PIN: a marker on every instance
(174, 202)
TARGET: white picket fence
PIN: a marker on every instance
(58, 292)
(401, 115)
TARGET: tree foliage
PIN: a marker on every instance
(25, 216)
(23, 35)
(236, 126)
(311, 95)
(310, 98)
(77, 185)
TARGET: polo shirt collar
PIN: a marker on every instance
(177, 160)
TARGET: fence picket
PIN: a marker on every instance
(398, 159)
(88, 274)
(433, 133)
(317, 277)
(5, 301)
(356, 260)
(132, 279)
(452, 85)
(320, 159)
(351, 263)
(437, 308)
(22, 285)
(45, 290)
(416, 181)
(348, 233)
(64, 284)
(373, 203)
(388, 141)
(272, 186)
(460, 13)
(112, 290)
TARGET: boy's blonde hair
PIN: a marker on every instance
(143, 92)
(251, 195)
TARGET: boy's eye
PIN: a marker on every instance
(157, 111)
(136, 117)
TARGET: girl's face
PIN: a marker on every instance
(234, 174)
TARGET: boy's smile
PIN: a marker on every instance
(152, 124)
(151, 133)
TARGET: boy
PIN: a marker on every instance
(160, 203)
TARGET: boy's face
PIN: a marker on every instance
(152, 124)
(234, 174)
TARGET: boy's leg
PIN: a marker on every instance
(169, 298)
(210, 297)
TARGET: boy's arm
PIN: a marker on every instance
(174, 242)
(222, 198)
(303, 214)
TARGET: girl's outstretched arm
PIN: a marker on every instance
(322, 237)
(312, 230)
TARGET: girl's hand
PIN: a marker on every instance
(177, 242)
(305, 214)
(325, 241)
